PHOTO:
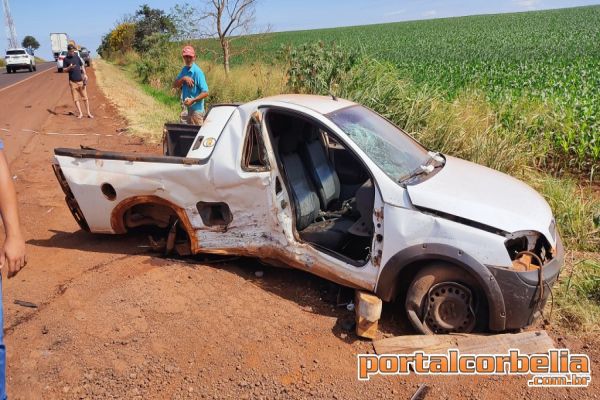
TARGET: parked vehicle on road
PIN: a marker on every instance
(85, 56)
(19, 58)
(332, 188)
(59, 42)
(61, 58)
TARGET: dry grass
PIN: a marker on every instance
(143, 113)
(244, 83)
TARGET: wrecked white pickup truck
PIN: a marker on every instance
(330, 187)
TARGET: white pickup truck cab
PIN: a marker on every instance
(330, 187)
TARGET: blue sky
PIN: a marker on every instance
(87, 20)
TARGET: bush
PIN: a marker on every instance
(315, 67)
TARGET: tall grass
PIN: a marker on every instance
(143, 113)
(576, 300)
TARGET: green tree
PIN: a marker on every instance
(30, 41)
(149, 21)
(186, 19)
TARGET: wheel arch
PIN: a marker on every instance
(400, 269)
(117, 219)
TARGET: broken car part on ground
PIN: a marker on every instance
(332, 188)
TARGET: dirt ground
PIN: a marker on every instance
(114, 320)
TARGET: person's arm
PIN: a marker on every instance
(83, 72)
(12, 254)
(201, 82)
(182, 79)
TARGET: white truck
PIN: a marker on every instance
(330, 187)
(59, 42)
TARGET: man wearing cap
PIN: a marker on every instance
(77, 80)
(12, 251)
(194, 88)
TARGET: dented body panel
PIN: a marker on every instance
(253, 214)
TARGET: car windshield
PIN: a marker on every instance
(13, 52)
(63, 53)
(394, 151)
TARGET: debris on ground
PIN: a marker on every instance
(534, 342)
(420, 393)
(368, 311)
(27, 304)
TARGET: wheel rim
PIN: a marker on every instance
(449, 308)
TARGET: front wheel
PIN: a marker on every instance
(8, 71)
(30, 67)
(444, 298)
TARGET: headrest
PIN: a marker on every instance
(311, 132)
(289, 140)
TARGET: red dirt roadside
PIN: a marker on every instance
(116, 321)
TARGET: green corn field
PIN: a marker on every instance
(551, 58)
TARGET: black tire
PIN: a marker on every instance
(30, 67)
(35, 67)
(60, 70)
(444, 298)
(8, 71)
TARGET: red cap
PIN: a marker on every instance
(189, 51)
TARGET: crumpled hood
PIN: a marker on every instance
(484, 195)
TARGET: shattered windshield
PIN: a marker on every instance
(396, 153)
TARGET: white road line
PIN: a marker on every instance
(64, 134)
(26, 79)
(60, 133)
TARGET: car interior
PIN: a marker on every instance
(331, 191)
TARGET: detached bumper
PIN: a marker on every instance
(70, 199)
(520, 290)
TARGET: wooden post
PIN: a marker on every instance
(368, 311)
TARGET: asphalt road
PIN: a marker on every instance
(7, 80)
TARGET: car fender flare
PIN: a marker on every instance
(387, 284)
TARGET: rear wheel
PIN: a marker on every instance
(30, 67)
(444, 298)
(34, 67)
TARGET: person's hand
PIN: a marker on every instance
(188, 102)
(188, 81)
(13, 255)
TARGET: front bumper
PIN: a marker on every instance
(521, 290)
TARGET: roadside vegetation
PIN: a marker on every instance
(517, 93)
(145, 116)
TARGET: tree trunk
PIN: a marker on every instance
(225, 46)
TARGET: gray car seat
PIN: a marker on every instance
(319, 167)
(328, 233)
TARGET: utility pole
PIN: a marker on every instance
(11, 32)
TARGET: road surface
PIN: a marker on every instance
(115, 321)
(7, 79)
